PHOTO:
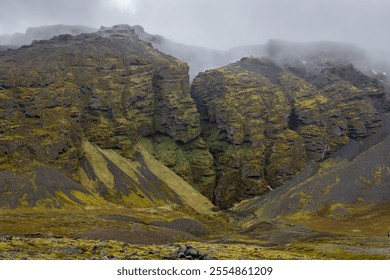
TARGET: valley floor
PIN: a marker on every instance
(93, 234)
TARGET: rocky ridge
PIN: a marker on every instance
(73, 105)
(69, 101)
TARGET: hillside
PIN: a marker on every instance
(73, 111)
(104, 137)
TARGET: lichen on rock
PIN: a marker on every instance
(263, 122)
(107, 88)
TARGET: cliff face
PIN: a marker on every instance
(106, 89)
(81, 113)
(263, 122)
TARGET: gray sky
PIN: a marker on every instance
(216, 23)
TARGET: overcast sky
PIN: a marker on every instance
(216, 23)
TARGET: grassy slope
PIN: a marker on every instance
(190, 196)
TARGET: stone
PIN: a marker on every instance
(189, 253)
(192, 252)
(8, 237)
(181, 255)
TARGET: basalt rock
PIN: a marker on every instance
(263, 122)
(75, 108)
(192, 160)
(64, 99)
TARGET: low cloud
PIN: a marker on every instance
(220, 24)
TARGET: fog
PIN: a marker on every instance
(218, 24)
(212, 33)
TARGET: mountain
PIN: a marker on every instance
(263, 123)
(201, 59)
(198, 58)
(356, 176)
(292, 54)
(102, 136)
(79, 119)
(261, 120)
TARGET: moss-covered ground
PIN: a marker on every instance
(136, 234)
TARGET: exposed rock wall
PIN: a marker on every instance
(246, 128)
(262, 122)
(109, 88)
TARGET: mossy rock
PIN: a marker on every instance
(191, 161)
(108, 89)
(263, 122)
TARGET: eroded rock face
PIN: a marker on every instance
(192, 161)
(108, 87)
(262, 122)
(66, 101)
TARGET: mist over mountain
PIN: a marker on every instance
(282, 52)
(42, 33)
(201, 59)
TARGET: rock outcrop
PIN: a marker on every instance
(64, 101)
(354, 180)
(263, 122)
(187, 252)
(84, 111)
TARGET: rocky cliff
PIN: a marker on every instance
(264, 121)
(81, 113)
(67, 102)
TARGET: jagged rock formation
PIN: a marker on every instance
(66, 101)
(354, 182)
(263, 122)
(80, 114)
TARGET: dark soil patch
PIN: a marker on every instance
(121, 218)
(186, 225)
